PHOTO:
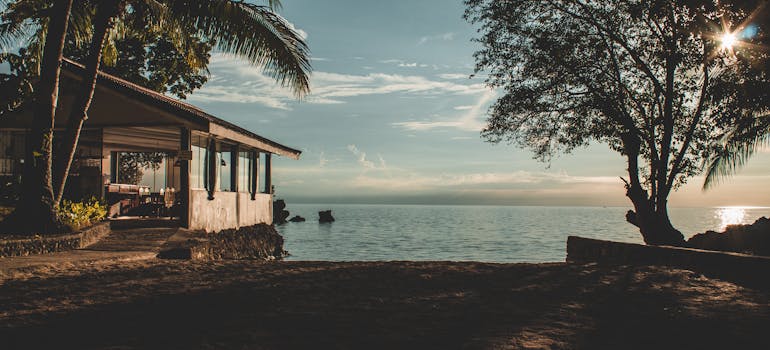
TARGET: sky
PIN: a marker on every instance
(394, 117)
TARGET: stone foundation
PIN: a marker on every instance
(50, 244)
(261, 242)
(745, 269)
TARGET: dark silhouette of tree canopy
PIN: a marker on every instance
(150, 56)
(647, 78)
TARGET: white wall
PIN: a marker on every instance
(228, 210)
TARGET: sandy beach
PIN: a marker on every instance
(388, 305)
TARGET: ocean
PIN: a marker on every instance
(474, 233)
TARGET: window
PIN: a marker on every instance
(198, 164)
(244, 171)
(225, 169)
(261, 173)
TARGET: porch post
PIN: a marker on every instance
(211, 161)
(268, 174)
(184, 178)
(254, 175)
(234, 169)
(114, 161)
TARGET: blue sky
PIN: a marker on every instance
(393, 117)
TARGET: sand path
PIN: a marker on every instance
(121, 245)
(378, 305)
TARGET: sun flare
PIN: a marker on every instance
(728, 41)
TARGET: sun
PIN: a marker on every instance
(728, 41)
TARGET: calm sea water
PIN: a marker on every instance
(478, 233)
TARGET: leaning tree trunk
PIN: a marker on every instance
(106, 14)
(36, 212)
(649, 215)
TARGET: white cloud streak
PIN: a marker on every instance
(468, 121)
(326, 87)
(442, 37)
(361, 157)
(454, 76)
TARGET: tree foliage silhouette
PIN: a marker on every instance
(647, 78)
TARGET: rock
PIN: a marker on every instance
(260, 242)
(279, 214)
(751, 239)
(297, 218)
(325, 216)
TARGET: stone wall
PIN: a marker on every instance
(745, 269)
(261, 242)
(50, 244)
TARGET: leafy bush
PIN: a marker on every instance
(5, 211)
(77, 215)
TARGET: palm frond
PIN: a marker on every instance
(737, 147)
(253, 32)
(18, 20)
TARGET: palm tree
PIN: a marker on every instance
(252, 31)
(36, 211)
(737, 147)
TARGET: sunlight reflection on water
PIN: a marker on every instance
(730, 216)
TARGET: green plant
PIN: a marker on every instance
(77, 215)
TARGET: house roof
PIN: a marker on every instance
(186, 111)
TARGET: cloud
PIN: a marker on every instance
(391, 61)
(235, 81)
(469, 121)
(474, 181)
(361, 157)
(302, 33)
(454, 76)
(322, 160)
(462, 108)
(442, 37)
(320, 59)
(405, 64)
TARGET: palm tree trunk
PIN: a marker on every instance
(36, 212)
(106, 14)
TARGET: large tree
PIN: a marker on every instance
(252, 31)
(36, 210)
(650, 79)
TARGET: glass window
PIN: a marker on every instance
(224, 172)
(261, 173)
(198, 163)
(244, 171)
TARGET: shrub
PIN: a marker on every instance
(77, 215)
(5, 211)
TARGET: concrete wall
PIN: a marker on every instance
(745, 269)
(228, 210)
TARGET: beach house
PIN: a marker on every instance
(208, 174)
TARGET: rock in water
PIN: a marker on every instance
(297, 218)
(279, 214)
(325, 216)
